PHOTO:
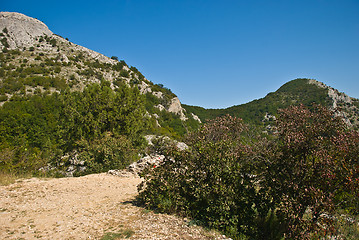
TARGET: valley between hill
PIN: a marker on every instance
(88, 207)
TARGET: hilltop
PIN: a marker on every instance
(298, 91)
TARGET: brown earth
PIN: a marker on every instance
(88, 207)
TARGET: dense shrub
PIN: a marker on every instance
(211, 182)
(99, 109)
(124, 73)
(106, 152)
(291, 186)
(103, 125)
(313, 170)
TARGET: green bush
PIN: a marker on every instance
(211, 182)
(3, 98)
(290, 185)
(106, 152)
(124, 73)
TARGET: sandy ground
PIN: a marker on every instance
(86, 207)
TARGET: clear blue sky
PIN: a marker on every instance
(215, 54)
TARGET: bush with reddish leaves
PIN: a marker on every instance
(313, 171)
(290, 185)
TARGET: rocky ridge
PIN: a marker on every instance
(345, 106)
(76, 64)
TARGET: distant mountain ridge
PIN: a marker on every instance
(30, 50)
(298, 91)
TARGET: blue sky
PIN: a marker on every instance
(215, 54)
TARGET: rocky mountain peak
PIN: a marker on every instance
(345, 106)
(21, 30)
(37, 53)
(334, 94)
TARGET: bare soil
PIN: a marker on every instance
(88, 207)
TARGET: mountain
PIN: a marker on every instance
(35, 59)
(62, 103)
(298, 91)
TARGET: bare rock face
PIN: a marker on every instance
(334, 94)
(342, 103)
(176, 107)
(195, 117)
(22, 30)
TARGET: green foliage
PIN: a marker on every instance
(99, 109)
(249, 187)
(3, 98)
(124, 73)
(127, 233)
(114, 58)
(5, 43)
(105, 153)
(20, 160)
(102, 125)
(161, 88)
(295, 92)
(119, 66)
(211, 182)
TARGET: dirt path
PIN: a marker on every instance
(88, 207)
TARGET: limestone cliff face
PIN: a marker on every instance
(22, 30)
(342, 103)
(176, 107)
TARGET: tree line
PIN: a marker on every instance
(104, 127)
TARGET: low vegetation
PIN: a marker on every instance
(103, 127)
(294, 186)
(292, 93)
(300, 180)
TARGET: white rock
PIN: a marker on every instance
(195, 117)
(22, 30)
(158, 94)
(160, 107)
(176, 107)
(144, 88)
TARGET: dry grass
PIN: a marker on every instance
(7, 178)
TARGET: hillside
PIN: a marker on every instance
(35, 60)
(62, 104)
(305, 91)
(66, 110)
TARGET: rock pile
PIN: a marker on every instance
(137, 167)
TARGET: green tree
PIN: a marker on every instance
(99, 109)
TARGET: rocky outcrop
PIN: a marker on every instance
(334, 94)
(144, 88)
(149, 161)
(20, 30)
(195, 117)
(176, 107)
(341, 103)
